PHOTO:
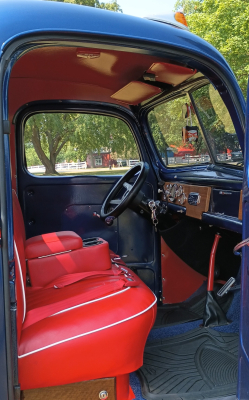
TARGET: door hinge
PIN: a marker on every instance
(6, 127)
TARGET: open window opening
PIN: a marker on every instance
(62, 144)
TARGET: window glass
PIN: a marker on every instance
(76, 144)
(218, 126)
(177, 134)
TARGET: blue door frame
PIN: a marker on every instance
(3, 356)
(21, 23)
(243, 375)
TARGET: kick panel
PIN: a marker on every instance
(195, 199)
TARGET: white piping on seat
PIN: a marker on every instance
(22, 283)
(89, 333)
(89, 302)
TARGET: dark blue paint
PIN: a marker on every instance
(243, 382)
(222, 221)
(7, 160)
(226, 202)
(26, 17)
(176, 208)
(9, 197)
(224, 178)
(79, 218)
(20, 18)
(3, 363)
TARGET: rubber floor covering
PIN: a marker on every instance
(199, 364)
(190, 310)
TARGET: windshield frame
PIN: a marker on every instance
(213, 159)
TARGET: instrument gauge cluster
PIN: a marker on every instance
(195, 199)
(175, 193)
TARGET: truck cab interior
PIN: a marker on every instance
(126, 201)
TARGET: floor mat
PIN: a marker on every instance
(191, 309)
(200, 364)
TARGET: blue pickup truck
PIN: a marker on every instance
(120, 281)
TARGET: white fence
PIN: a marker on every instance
(132, 162)
(188, 159)
(59, 167)
(36, 169)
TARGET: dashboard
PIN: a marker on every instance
(219, 207)
(195, 199)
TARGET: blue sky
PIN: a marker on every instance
(141, 8)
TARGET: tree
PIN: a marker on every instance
(225, 24)
(47, 134)
(54, 137)
(166, 122)
(188, 6)
(112, 6)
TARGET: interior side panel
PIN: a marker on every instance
(49, 208)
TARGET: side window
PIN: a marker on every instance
(177, 133)
(76, 144)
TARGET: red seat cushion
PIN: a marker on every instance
(52, 243)
(104, 337)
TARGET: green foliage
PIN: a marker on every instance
(47, 134)
(166, 122)
(216, 120)
(112, 5)
(31, 155)
(52, 138)
(189, 6)
(225, 24)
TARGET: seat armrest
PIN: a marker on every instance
(45, 269)
(52, 243)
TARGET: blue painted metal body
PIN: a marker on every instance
(28, 17)
(243, 382)
(3, 362)
(20, 19)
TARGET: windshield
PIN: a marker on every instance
(217, 125)
(195, 129)
(177, 133)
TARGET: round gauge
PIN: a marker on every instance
(174, 192)
(182, 199)
(179, 191)
(168, 189)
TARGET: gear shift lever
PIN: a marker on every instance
(213, 314)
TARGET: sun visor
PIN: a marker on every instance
(136, 92)
(170, 73)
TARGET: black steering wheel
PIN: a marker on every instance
(122, 194)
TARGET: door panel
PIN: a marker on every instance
(49, 206)
(79, 218)
(45, 203)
